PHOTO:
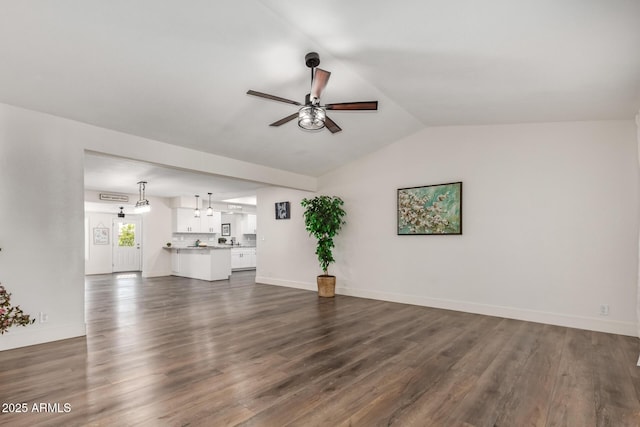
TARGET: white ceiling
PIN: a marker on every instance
(178, 71)
(106, 173)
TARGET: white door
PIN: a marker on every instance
(127, 238)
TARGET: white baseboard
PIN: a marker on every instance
(23, 336)
(146, 274)
(287, 283)
(598, 324)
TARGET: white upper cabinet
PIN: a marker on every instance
(185, 222)
(249, 224)
(252, 224)
(211, 224)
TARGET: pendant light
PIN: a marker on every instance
(196, 212)
(209, 209)
(142, 205)
(121, 213)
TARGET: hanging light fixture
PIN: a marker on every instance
(196, 212)
(311, 117)
(121, 213)
(142, 205)
(209, 209)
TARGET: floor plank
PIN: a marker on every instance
(573, 397)
(172, 351)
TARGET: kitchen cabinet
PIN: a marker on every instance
(175, 262)
(243, 258)
(236, 259)
(201, 263)
(251, 254)
(195, 264)
(211, 224)
(185, 222)
(249, 224)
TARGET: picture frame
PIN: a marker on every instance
(283, 210)
(101, 236)
(226, 229)
(430, 210)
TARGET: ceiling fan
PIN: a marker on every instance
(312, 115)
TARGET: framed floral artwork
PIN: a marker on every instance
(430, 209)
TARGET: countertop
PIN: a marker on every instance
(197, 248)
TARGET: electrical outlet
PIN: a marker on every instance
(604, 310)
(44, 317)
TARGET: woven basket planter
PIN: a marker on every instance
(327, 286)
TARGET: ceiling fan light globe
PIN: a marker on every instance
(311, 117)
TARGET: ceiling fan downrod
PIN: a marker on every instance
(312, 60)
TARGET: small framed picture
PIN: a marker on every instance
(226, 229)
(283, 210)
(100, 236)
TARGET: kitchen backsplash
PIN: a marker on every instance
(182, 240)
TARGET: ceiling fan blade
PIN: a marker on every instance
(320, 80)
(272, 97)
(285, 120)
(331, 125)
(367, 105)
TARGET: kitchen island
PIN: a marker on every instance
(201, 262)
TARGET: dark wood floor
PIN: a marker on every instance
(173, 351)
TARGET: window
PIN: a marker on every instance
(126, 234)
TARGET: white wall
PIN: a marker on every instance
(99, 257)
(156, 232)
(550, 217)
(285, 252)
(42, 231)
(42, 211)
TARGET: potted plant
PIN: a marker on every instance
(10, 315)
(323, 219)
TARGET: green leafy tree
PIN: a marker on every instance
(127, 235)
(323, 218)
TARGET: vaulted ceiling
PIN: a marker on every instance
(178, 71)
